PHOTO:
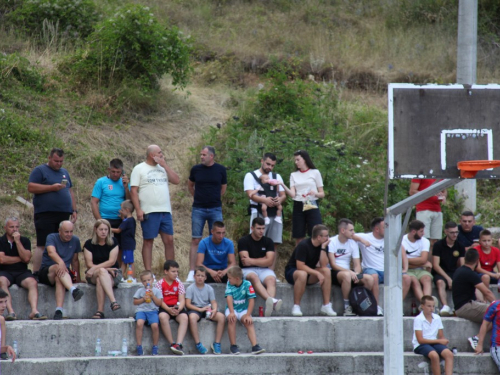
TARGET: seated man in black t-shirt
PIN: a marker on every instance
(468, 232)
(256, 253)
(301, 269)
(465, 283)
(447, 255)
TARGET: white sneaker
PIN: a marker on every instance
(348, 311)
(380, 311)
(327, 310)
(190, 277)
(267, 221)
(296, 310)
(277, 219)
(445, 311)
(277, 305)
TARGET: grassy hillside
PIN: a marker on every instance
(338, 56)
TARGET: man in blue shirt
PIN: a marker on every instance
(216, 254)
(53, 199)
(108, 194)
(468, 232)
(207, 183)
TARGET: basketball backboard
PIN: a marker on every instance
(433, 127)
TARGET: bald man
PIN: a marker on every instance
(151, 197)
(61, 251)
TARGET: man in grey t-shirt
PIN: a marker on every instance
(61, 251)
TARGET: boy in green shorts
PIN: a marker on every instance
(240, 298)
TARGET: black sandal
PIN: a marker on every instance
(98, 315)
(115, 306)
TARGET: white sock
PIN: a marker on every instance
(278, 219)
(296, 306)
(346, 303)
(275, 300)
(328, 304)
(72, 288)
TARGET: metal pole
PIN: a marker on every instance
(466, 74)
(393, 292)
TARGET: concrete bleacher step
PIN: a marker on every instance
(263, 364)
(77, 338)
(86, 307)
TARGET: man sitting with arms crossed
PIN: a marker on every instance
(447, 255)
(15, 254)
(256, 254)
(61, 250)
(341, 250)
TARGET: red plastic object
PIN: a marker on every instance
(310, 352)
(300, 352)
(469, 169)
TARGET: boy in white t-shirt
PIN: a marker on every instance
(428, 337)
(4, 348)
(416, 248)
(341, 250)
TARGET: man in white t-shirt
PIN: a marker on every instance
(274, 230)
(416, 247)
(341, 250)
(150, 195)
(373, 258)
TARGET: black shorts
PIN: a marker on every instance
(47, 223)
(183, 311)
(43, 276)
(289, 271)
(115, 223)
(335, 280)
(437, 277)
(16, 277)
(211, 280)
(304, 221)
(201, 315)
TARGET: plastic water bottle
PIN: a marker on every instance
(98, 348)
(16, 349)
(129, 274)
(147, 295)
(208, 314)
(124, 348)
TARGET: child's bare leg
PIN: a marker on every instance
(156, 333)
(139, 326)
(3, 328)
(251, 333)
(435, 363)
(165, 326)
(220, 319)
(193, 327)
(182, 319)
(448, 361)
(133, 269)
(124, 270)
(231, 332)
(264, 210)
(280, 210)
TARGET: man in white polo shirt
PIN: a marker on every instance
(341, 250)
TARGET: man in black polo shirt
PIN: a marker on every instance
(465, 283)
(447, 255)
(207, 183)
(256, 253)
(301, 269)
(15, 254)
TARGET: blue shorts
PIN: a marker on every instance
(156, 222)
(201, 215)
(425, 349)
(151, 317)
(128, 256)
(493, 280)
(372, 271)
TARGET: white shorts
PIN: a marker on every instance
(261, 272)
(433, 222)
(495, 355)
(238, 314)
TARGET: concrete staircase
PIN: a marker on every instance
(340, 345)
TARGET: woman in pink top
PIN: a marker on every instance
(306, 186)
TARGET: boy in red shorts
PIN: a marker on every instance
(173, 304)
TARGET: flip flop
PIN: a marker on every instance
(98, 315)
(38, 316)
(10, 317)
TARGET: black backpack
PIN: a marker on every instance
(269, 191)
(363, 301)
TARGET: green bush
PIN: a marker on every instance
(132, 45)
(285, 116)
(17, 69)
(72, 18)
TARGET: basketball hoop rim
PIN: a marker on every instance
(469, 168)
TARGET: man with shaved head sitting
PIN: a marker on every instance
(61, 251)
(150, 195)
